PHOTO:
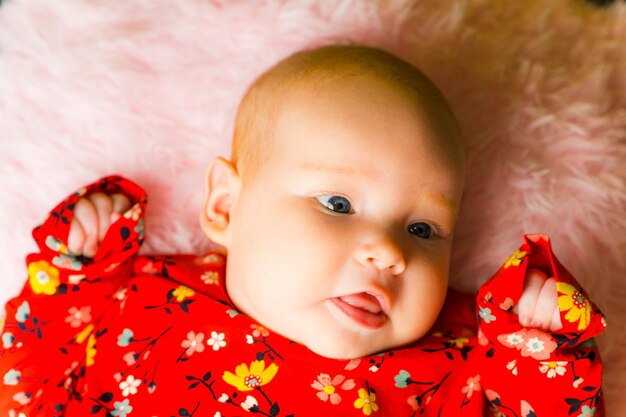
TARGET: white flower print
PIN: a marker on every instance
(129, 386)
(577, 382)
(535, 345)
(512, 366)
(249, 403)
(514, 339)
(553, 368)
(216, 340)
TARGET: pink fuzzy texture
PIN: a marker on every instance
(149, 89)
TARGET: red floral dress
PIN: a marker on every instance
(128, 335)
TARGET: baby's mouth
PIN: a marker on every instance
(363, 308)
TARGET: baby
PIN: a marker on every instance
(350, 163)
(337, 213)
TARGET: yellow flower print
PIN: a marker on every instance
(575, 303)
(210, 278)
(183, 292)
(247, 379)
(80, 337)
(90, 350)
(458, 342)
(44, 278)
(366, 402)
(515, 259)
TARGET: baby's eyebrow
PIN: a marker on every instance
(441, 200)
(328, 168)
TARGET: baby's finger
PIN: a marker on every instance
(76, 237)
(121, 204)
(104, 208)
(556, 323)
(546, 303)
(85, 213)
(532, 288)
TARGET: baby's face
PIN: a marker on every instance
(341, 241)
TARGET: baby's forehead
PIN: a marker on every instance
(348, 94)
(311, 78)
(312, 81)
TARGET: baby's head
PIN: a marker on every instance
(339, 206)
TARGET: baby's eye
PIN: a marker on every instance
(335, 203)
(421, 230)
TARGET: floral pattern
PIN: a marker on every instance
(44, 278)
(248, 378)
(515, 259)
(129, 386)
(182, 292)
(129, 335)
(530, 342)
(366, 402)
(587, 412)
(259, 331)
(217, 340)
(210, 278)
(485, 315)
(90, 351)
(121, 408)
(78, 316)
(575, 304)
(328, 388)
(12, 377)
(473, 385)
(193, 343)
(553, 368)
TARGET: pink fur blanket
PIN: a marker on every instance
(149, 90)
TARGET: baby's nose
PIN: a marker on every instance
(384, 254)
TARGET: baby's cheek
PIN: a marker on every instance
(420, 311)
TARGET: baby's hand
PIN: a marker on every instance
(92, 217)
(538, 306)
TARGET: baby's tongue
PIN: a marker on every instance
(364, 301)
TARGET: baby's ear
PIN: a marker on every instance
(222, 190)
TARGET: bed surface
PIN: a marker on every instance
(92, 88)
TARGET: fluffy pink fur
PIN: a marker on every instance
(149, 90)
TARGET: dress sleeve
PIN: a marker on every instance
(48, 339)
(530, 372)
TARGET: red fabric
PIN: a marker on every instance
(128, 335)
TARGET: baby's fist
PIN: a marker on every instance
(92, 217)
(538, 306)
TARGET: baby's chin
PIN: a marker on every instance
(354, 344)
(345, 349)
